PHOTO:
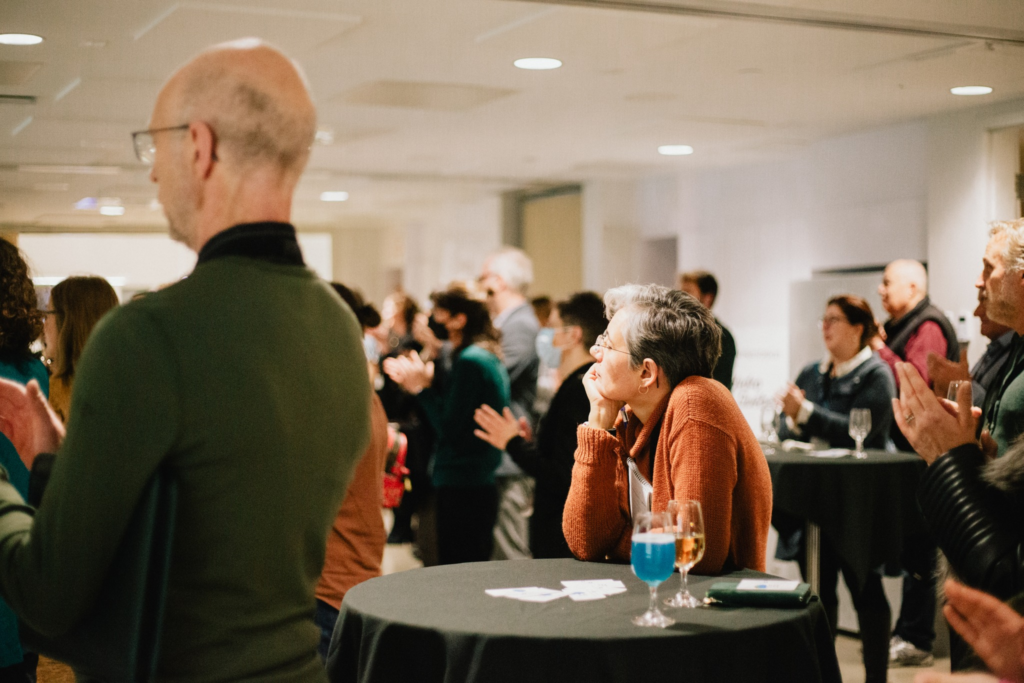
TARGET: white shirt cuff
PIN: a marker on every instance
(806, 408)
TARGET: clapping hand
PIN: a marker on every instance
(410, 372)
(792, 399)
(935, 677)
(28, 421)
(932, 425)
(498, 429)
(992, 628)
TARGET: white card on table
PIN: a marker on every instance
(528, 594)
(582, 595)
(603, 586)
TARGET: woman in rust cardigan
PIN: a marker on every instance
(655, 411)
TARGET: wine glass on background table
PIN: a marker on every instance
(860, 427)
(689, 530)
(653, 557)
(770, 420)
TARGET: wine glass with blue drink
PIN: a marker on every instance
(653, 559)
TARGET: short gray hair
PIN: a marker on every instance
(1013, 250)
(668, 326)
(514, 267)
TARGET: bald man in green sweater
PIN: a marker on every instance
(247, 381)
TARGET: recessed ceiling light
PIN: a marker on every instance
(112, 210)
(971, 90)
(333, 196)
(675, 150)
(19, 39)
(537, 63)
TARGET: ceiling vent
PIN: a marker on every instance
(436, 96)
(17, 73)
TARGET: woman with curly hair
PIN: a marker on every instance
(76, 305)
(21, 323)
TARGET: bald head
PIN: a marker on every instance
(904, 285)
(254, 99)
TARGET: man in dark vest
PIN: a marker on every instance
(915, 329)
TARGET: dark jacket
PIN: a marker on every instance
(549, 459)
(723, 370)
(870, 385)
(460, 458)
(974, 509)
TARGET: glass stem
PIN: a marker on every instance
(684, 575)
(654, 600)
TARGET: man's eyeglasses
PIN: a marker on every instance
(605, 345)
(145, 147)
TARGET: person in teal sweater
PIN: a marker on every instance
(246, 382)
(20, 324)
(464, 466)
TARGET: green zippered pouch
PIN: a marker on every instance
(760, 593)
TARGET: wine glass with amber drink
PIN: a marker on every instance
(688, 524)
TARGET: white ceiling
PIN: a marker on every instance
(425, 105)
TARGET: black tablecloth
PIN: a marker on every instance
(865, 508)
(437, 624)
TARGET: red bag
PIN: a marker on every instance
(395, 471)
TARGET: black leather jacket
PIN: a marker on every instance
(974, 511)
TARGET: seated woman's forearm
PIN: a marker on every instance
(593, 521)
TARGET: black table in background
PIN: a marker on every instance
(866, 508)
(437, 624)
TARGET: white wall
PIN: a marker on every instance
(962, 199)
(845, 202)
(135, 261)
(450, 242)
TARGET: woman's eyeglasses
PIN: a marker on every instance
(605, 345)
(830, 320)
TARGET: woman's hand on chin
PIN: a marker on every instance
(603, 411)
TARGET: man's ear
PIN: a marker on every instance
(204, 154)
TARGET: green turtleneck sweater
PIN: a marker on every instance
(248, 381)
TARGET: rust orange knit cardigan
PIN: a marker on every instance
(705, 451)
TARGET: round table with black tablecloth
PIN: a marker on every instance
(866, 508)
(438, 624)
